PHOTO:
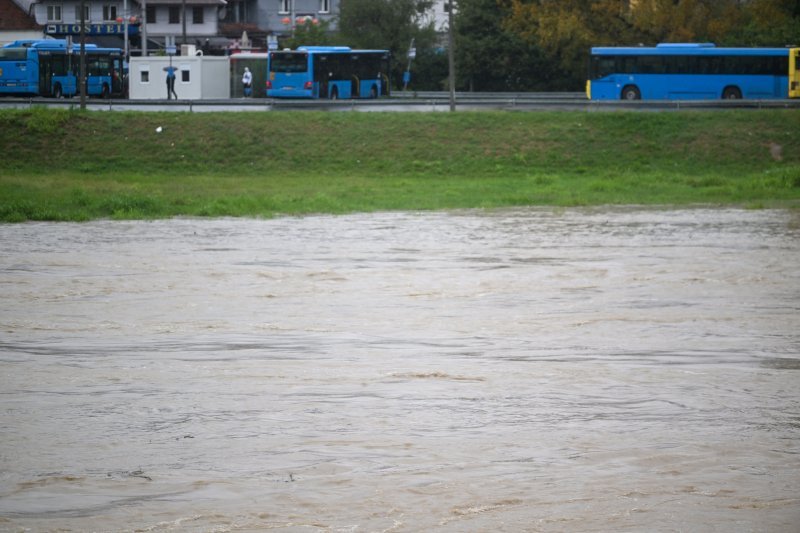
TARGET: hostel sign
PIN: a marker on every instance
(106, 28)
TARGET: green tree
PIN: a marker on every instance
(310, 33)
(429, 70)
(767, 23)
(388, 25)
(686, 20)
(491, 58)
(565, 30)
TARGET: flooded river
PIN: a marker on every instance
(514, 370)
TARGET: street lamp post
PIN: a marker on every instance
(451, 55)
(82, 81)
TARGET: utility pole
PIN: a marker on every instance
(125, 25)
(143, 28)
(82, 81)
(451, 54)
(291, 15)
(183, 21)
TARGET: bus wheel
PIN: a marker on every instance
(731, 93)
(57, 92)
(373, 93)
(631, 92)
(335, 93)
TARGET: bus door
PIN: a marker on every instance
(340, 82)
(794, 73)
(117, 76)
(322, 73)
(45, 61)
(62, 82)
(354, 72)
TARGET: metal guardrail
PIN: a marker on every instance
(417, 102)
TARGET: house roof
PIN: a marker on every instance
(14, 17)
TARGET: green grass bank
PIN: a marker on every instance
(73, 165)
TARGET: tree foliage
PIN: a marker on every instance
(310, 33)
(491, 58)
(767, 23)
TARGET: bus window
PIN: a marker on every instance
(288, 62)
(603, 66)
(95, 67)
(13, 54)
(60, 65)
(677, 65)
(651, 65)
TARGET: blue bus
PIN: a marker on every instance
(328, 72)
(50, 68)
(693, 71)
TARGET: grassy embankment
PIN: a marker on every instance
(71, 165)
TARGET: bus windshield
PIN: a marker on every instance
(288, 62)
(13, 54)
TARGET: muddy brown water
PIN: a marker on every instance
(609, 369)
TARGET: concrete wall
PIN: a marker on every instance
(216, 73)
(198, 77)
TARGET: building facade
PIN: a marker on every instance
(106, 21)
(213, 26)
(280, 16)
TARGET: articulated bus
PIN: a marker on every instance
(693, 71)
(49, 68)
(328, 72)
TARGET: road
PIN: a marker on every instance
(419, 102)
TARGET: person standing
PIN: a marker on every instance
(247, 82)
(171, 82)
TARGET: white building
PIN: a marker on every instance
(198, 77)
(438, 15)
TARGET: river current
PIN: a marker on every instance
(608, 369)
